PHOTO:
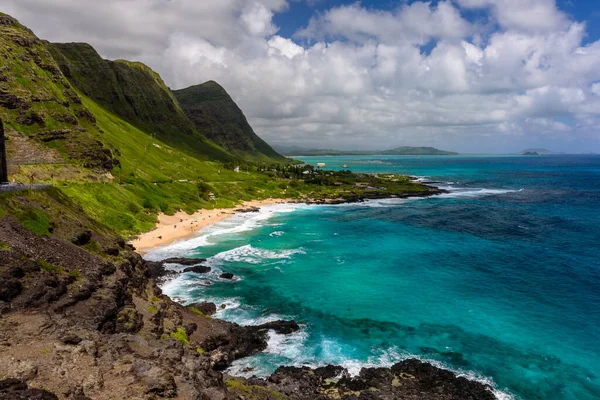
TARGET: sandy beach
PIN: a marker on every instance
(182, 225)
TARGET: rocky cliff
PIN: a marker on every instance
(218, 117)
(134, 92)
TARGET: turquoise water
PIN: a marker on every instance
(498, 280)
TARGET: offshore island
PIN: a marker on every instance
(96, 152)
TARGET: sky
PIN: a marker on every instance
(474, 76)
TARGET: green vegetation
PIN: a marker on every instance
(252, 392)
(135, 93)
(181, 336)
(199, 350)
(35, 220)
(75, 274)
(153, 310)
(198, 312)
(4, 246)
(217, 117)
(45, 266)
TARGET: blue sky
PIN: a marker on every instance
(299, 12)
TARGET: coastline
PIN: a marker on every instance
(182, 225)
(419, 368)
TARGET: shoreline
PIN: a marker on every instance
(181, 225)
(434, 367)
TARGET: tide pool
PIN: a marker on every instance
(498, 280)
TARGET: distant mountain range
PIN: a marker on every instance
(398, 151)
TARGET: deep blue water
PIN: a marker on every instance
(499, 280)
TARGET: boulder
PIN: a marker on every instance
(226, 275)
(82, 238)
(15, 389)
(199, 269)
(183, 261)
(281, 327)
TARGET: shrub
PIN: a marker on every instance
(181, 336)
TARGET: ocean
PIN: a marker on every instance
(497, 280)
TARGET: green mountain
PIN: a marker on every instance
(398, 151)
(39, 106)
(218, 117)
(136, 93)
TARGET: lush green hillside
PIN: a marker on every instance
(218, 117)
(398, 151)
(38, 105)
(137, 94)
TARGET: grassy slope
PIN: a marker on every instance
(37, 101)
(216, 116)
(135, 92)
(155, 177)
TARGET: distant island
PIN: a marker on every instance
(398, 151)
(537, 152)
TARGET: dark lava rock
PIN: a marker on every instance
(436, 380)
(183, 261)
(205, 308)
(329, 371)
(82, 238)
(70, 338)
(14, 389)
(157, 270)
(248, 210)
(281, 327)
(199, 269)
(10, 288)
(226, 275)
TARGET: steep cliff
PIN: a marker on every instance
(137, 94)
(218, 117)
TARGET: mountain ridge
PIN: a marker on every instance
(216, 115)
(136, 93)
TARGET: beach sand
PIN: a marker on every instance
(182, 225)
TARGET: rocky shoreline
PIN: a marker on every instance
(87, 320)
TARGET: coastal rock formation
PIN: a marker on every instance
(226, 275)
(198, 269)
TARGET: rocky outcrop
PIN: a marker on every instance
(184, 261)
(198, 269)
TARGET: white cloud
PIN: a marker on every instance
(360, 78)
